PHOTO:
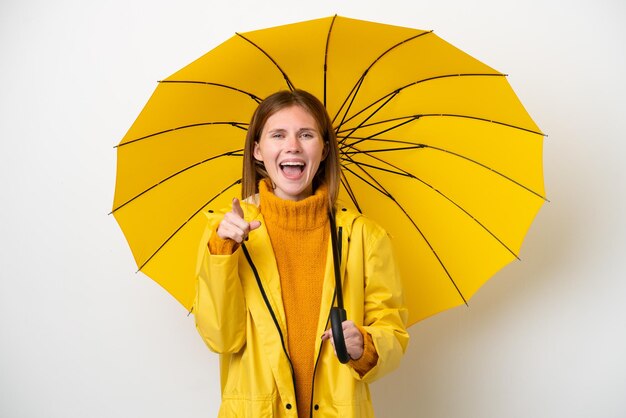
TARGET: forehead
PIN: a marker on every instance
(291, 117)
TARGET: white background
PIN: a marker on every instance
(82, 335)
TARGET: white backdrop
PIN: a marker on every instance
(82, 335)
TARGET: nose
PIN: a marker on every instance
(293, 144)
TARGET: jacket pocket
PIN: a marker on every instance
(247, 408)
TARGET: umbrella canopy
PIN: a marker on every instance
(435, 146)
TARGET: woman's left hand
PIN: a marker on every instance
(352, 336)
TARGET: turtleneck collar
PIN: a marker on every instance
(306, 214)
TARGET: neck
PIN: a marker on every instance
(306, 214)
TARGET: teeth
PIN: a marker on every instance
(293, 164)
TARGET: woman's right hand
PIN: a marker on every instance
(234, 226)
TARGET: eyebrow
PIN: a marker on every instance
(282, 130)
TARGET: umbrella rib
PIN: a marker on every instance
(352, 96)
(418, 146)
(351, 194)
(366, 119)
(372, 183)
(285, 76)
(478, 163)
(185, 223)
(382, 190)
(236, 153)
(240, 125)
(412, 145)
(330, 29)
(208, 83)
(412, 118)
(449, 199)
(394, 93)
(406, 148)
(405, 120)
(355, 89)
(398, 171)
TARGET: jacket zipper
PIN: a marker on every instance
(271, 311)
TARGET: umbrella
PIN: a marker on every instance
(435, 146)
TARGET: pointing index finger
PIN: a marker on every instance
(237, 208)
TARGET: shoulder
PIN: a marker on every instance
(250, 209)
(357, 223)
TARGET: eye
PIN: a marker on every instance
(307, 135)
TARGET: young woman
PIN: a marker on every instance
(266, 278)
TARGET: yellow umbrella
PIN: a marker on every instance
(435, 146)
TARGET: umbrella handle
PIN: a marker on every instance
(337, 316)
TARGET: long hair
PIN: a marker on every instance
(329, 171)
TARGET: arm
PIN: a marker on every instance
(385, 314)
(220, 307)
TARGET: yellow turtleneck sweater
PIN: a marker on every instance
(299, 232)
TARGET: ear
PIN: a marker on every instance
(325, 151)
(256, 152)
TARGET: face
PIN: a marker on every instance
(291, 148)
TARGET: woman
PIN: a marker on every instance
(266, 283)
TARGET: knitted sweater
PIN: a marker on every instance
(299, 232)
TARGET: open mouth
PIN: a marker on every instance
(292, 168)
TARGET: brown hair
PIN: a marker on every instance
(329, 170)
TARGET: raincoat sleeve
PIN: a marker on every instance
(385, 314)
(219, 306)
